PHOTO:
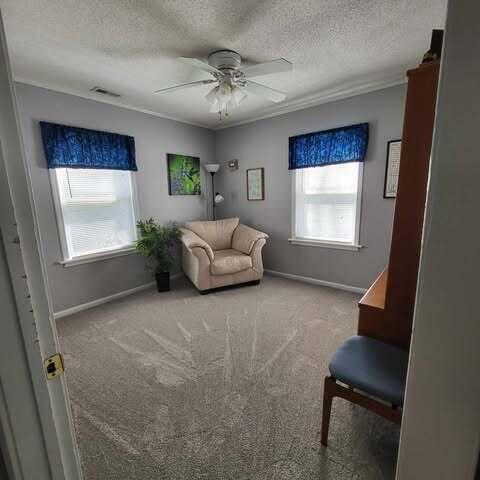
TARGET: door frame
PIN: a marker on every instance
(35, 414)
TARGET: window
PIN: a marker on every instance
(327, 204)
(95, 210)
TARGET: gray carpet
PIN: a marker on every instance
(222, 386)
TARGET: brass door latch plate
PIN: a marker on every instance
(53, 366)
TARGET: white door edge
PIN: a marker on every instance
(38, 334)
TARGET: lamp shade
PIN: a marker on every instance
(212, 167)
(219, 198)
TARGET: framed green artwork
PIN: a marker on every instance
(183, 174)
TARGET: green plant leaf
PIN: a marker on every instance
(157, 243)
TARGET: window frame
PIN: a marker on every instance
(68, 261)
(312, 242)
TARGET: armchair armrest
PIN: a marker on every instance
(191, 240)
(245, 237)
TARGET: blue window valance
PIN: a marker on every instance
(339, 145)
(74, 147)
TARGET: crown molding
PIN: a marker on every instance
(115, 103)
(325, 96)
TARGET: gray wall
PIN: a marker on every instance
(264, 143)
(260, 144)
(154, 137)
(440, 436)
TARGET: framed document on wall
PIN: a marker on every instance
(392, 168)
(255, 184)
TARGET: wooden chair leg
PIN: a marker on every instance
(328, 394)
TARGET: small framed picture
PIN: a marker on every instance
(392, 168)
(255, 184)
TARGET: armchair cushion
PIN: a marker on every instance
(218, 233)
(191, 240)
(244, 238)
(230, 261)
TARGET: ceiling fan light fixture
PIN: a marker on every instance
(224, 92)
(225, 96)
(211, 98)
(214, 107)
(233, 81)
(211, 95)
(238, 96)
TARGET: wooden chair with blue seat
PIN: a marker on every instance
(373, 365)
(374, 373)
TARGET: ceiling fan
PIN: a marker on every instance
(233, 83)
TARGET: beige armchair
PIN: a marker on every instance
(222, 252)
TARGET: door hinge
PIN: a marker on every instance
(53, 366)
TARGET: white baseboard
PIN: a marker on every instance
(110, 298)
(125, 293)
(316, 281)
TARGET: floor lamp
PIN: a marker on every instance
(212, 169)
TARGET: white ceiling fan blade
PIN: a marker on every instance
(263, 91)
(275, 66)
(185, 85)
(195, 62)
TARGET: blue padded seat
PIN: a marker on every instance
(374, 367)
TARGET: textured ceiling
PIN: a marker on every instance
(130, 46)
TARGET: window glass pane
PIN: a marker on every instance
(331, 179)
(326, 202)
(97, 209)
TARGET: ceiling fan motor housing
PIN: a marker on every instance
(225, 60)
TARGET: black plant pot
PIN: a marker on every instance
(163, 281)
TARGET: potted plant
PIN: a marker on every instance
(157, 243)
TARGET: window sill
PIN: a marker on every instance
(324, 244)
(97, 257)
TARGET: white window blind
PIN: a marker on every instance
(326, 200)
(95, 209)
